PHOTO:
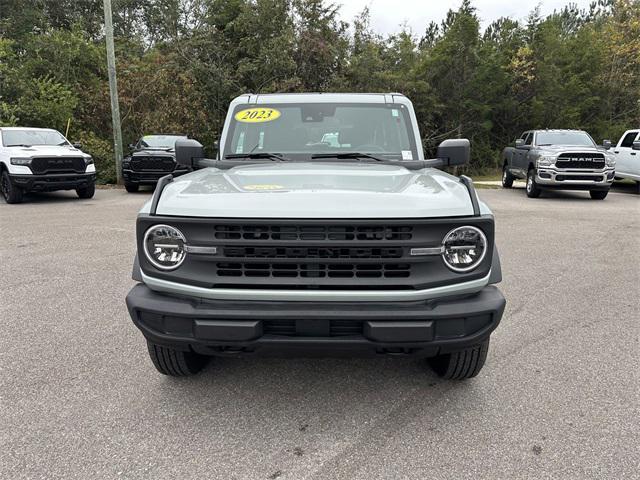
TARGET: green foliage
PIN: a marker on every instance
(102, 152)
(180, 62)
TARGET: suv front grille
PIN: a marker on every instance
(158, 164)
(312, 252)
(591, 161)
(314, 270)
(316, 254)
(43, 165)
(314, 232)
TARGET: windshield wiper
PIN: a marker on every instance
(256, 155)
(356, 155)
(19, 145)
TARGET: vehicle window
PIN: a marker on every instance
(524, 136)
(528, 139)
(28, 138)
(580, 139)
(159, 141)
(303, 129)
(628, 139)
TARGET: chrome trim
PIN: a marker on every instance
(200, 250)
(553, 172)
(462, 288)
(426, 251)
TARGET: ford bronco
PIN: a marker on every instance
(318, 227)
(42, 160)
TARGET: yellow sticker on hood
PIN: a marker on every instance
(256, 115)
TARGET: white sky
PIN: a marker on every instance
(388, 15)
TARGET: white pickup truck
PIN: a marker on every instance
(42, 160)
(627, 152)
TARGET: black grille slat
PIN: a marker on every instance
(311, 270)
(287, 327)
(587, 160)
(312, 252)
(159, 164)
(42, 165)
(314, 232)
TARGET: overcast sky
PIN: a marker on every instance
(388, 15)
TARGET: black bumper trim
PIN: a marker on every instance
(226, 327)
(142, 177)
(51, 182)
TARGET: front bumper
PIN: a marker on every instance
(566, 179)
(225, 327)
(142, 177)
(52, 182)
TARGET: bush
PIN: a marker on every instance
(102, 153)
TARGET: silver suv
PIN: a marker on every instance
(318, 227)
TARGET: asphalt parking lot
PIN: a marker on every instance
(558, 398)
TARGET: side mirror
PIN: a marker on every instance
(187, 151)
(455, 151)
(606, 144)
(76, 145)
(132, 146)
(636, 145)
(519, 143)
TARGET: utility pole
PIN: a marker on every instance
(113, 89)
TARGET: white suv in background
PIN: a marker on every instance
(42, 160)
(627, 152)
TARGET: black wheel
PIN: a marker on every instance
(461, 365)
(10, 192)
(176, 363)
(87, 192)
(533, 191)
(638, 188)
(598, 194)
(507, 178)
(131, 187)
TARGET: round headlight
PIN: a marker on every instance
(463, 248)
(164, 247)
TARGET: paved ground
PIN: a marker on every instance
(557, 399)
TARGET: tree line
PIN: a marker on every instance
(180, 62)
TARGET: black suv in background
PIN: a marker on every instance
(151, 157)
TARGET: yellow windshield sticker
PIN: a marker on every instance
(263, 187)
(256, 115)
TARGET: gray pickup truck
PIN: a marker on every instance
(560, 160)
(319, 226)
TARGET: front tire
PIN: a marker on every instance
(461, 365)
(10, 192)
(87, 192)
(131, 187)
(176, 363)
(507, 178)
(598, 194)
(533, 191)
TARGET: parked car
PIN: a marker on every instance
(627, 154)
(151, 158)
(42, 160)
(560, 160)
(287, 243)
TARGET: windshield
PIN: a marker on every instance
(304, 129)
(581, 139)
(27, 137)
(159, 141)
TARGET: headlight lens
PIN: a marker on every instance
(463, 248)
(164, 246)
(88, 160)
(546, 161)
(610, 160)
(20, 161)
